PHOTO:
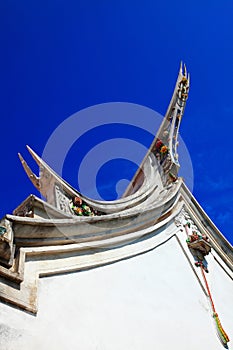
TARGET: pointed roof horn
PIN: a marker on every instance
(34, 179)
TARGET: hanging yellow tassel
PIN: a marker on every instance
(221, 332)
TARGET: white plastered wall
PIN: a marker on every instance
(151, 301)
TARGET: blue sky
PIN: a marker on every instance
(58, 57)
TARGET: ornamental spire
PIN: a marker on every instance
(47, 179)
(166, 141)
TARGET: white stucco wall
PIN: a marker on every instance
(152, 301)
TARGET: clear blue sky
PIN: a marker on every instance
(58, 57)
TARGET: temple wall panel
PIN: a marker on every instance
(150, 301)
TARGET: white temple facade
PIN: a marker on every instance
(147, 271)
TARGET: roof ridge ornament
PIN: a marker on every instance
(166, 141)
(47, 179)
(164, 146)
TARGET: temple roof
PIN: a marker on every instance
(59, 230)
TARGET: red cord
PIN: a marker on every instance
(208, 289)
